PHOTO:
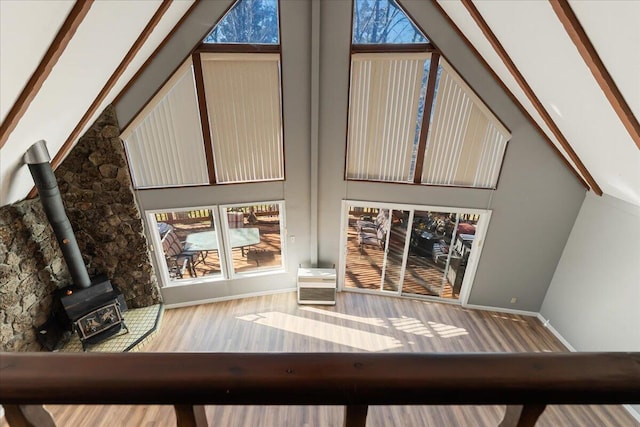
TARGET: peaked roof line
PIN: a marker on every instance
(113, 79)
(158, 50)
(587, 51)
(55, 51)
(526, 88)
(509, 93)
(137, 45)
(154, 54)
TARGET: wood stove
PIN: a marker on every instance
(91, 307)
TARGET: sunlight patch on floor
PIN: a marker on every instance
(414, 326)
(361, 340)
(447, 331)
(366, 320)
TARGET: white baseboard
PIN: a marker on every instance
(571, 348)
(229, 298)
(557, 334)
(501, 310)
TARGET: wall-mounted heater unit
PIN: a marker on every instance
(317, 286)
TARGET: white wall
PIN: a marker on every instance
(594, 297)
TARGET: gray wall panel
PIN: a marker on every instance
(190, 33)
(533, 208)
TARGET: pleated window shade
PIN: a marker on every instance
(383, 108)
(466, 142)
(243, 102)
(165, 146)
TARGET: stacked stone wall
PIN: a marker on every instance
(96, 189)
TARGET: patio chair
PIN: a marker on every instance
(178, 258)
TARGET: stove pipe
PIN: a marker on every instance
(37, 158)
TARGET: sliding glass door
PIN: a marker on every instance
(439, 252)
(399, 226)
(366, 240)
(410, 250)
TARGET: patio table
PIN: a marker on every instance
(205, 241)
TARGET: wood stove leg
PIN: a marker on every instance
(28, 416)
(190, 416)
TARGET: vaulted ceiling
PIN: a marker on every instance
(573, 66)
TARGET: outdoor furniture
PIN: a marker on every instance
(235, 219)
(372, 233)
(177, 256)
(369, 239)
(204, 241)
(164, 228)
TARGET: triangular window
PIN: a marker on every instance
(412, 118)
(383, 22)
(248, 22)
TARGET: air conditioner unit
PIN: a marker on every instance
(317, 286)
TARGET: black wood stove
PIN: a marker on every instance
(91, 307)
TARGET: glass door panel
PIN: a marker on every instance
(408, 251)
(395, 250)
(366, 240)
(431, 238)
(460, 251)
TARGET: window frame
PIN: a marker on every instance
(205, 111)
(194, 59)
(228, 249)
(429, 107)
(166, 280)
(188, 66)
(225, 255)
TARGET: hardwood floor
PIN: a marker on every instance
(358, 322)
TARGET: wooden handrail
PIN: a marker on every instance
(351, 379)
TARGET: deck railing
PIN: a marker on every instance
(524, 382)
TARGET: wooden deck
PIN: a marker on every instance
(269, 248)
(357, 323)
(364, 271)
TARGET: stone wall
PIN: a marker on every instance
(96, 189)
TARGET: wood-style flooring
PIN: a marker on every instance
(358, 323)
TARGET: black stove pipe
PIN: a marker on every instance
(37, 158)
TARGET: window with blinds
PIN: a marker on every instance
(164, 144)
(383, 110)
(244, 106)
(412, 119)
(466, 142)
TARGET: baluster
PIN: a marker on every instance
(190, 416)
(28, 416)
(521, 415)
(355, 415)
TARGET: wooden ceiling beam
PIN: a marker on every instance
(51, 57)
(119, 71)
(511, 96)
(155, 53)
(579, 37)
(526, 88)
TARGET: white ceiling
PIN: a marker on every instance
(542, 51)
(100, 43)
(529, 31)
